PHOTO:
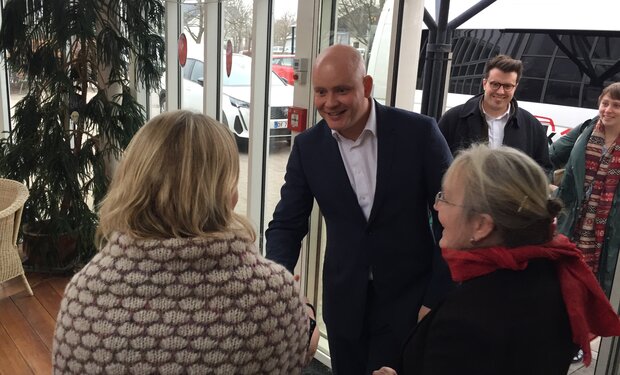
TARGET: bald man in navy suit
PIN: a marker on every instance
(374, 172)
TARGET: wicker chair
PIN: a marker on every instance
(13, 195)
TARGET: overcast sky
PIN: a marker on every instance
(548, 14)
(280, 7)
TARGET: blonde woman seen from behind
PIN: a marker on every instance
(178, 286)
(526, 298)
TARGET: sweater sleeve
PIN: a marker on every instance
(290, 218)
(560, 150)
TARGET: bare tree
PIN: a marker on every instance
(359, 18)
(282, 28)
(238, 24)
(193, 19)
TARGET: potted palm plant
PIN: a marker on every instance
(79, 111)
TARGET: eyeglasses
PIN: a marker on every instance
(440, 198)
(507, 86)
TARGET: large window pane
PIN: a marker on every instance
(284, 48)
(535, 66)
(237, 84)
(356, 24)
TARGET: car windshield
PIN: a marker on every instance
(241, 73)
(282, 60)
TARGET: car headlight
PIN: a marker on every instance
(239, 103)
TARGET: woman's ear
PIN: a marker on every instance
(483, 229)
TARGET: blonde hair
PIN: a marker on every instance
(509, 186)
(177, 178)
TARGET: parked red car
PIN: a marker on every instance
(282, 65)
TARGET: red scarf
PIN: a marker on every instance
(588, 309)
(602, 173)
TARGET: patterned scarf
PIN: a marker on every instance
(602, 172)
(589, 311)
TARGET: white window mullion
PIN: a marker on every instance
(173, 70)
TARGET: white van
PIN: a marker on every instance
(564, 70)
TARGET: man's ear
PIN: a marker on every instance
(483, 227)
(367, 82)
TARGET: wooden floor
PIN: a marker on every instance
(27, 324)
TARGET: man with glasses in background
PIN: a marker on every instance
(494, 116)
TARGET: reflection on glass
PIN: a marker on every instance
(236, 89)
(280, 99)
(18, 87)
(372, 41)
(157, 98)
(357, 25)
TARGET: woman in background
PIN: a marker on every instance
(179, 286)
(526, 297)
(590, 154)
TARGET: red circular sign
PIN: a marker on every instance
(229, 54)
(182, 49)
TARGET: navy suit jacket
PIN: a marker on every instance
(396, 242)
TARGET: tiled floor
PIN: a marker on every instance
(316, 368)
(580, 368)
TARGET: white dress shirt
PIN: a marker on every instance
(496, 127)
(360, 161)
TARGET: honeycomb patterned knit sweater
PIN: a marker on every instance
(180, 306)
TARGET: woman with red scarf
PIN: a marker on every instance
(526, 299)
(590, 154)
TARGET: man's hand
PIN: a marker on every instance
(314, 344)
(422, 313)
(384, 371)
(316, 334)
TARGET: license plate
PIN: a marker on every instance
(279, 124)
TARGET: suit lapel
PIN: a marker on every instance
(386, 144)
(339, 179)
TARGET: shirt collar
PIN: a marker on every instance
(370, 127)
(489, 117)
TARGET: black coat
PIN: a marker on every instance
(464, 125)
(506, 322)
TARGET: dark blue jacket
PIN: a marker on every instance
(396, 242)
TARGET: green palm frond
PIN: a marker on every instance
(64, 48)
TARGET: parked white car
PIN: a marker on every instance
(236, 92)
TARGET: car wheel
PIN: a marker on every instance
(242, 143)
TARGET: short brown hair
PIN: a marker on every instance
(612, 90)
(504, 63)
